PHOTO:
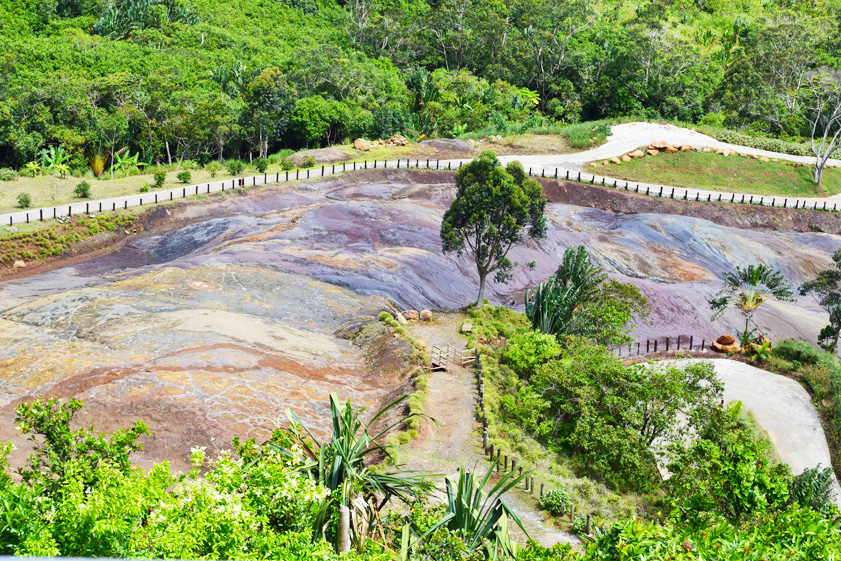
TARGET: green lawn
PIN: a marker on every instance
(707, 170)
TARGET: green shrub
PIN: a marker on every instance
(160, 178)
(758, 142)
(235, 167)
(261, 165)
(8, 174)
(287, 164)
(555, 501)
(83, 190)
(213, 168)
(586, 135)
(308, 162)
(528, 349)
(144, 188)
(24, 200)
(184, 176)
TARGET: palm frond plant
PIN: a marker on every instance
(747, 289)
(552, 305)
(343, 466)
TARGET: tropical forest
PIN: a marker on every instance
(420, 280)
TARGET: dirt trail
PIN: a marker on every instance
(443, 448)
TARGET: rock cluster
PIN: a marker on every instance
(661, 146)
(414, 315)
(365, 145)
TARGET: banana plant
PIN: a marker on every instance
(53, 157)
(127, 163)
(33, 168)
(62, 170)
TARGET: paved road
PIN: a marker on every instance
(625, 138)
(783, 408)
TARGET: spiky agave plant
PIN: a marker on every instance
(477, 509)
(747, 289)
(342, 466)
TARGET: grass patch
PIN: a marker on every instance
(706, 170)
(45, 242)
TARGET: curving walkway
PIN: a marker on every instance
(625, 138)
(783, 408)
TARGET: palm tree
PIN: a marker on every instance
(552, 305)
(746, 289)
(341, 465)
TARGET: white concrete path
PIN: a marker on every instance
(625, 138)
(783, 408)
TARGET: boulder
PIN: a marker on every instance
(616, 161)
(707, 149)
(18, 264)
(659, 145)
(670, 149)
(397, 140)
(426, 315)
(604, 163)
(594, 164)
(652, 151)
(764, 159)
(636, 154)
(626, 158)
(685, 148)
(411, 315)
(724, 152)
(726, 344)
(400, 319)
(361, 144)
(467, 327)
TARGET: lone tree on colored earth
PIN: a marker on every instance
(495, 209)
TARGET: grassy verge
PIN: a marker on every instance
(44, 242)
(419, 381)
(707, 170)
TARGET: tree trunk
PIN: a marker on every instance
(168, 154)
(481, 299)
(818, 171)
(112, 161)
(343, 531)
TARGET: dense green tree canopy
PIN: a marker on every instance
(189, 77)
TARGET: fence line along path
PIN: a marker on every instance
(26, 216)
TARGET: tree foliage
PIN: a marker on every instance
(827, 289)
(495, 209)
(580, 300)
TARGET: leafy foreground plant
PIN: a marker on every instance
(340, 466)
(475, 511)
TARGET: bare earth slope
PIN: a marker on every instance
(213, 323)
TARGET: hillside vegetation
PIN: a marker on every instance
(170, 80)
